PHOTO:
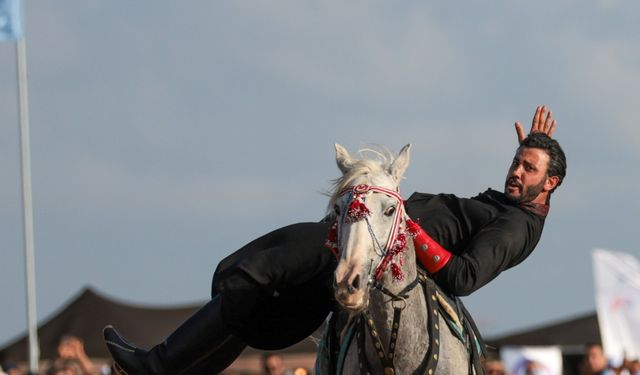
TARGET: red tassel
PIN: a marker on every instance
(332, 240)
(381, 268)
(399, 245)
(396, 271)
(357, 211)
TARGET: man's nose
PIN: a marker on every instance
(517, 171)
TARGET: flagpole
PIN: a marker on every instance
(27, 205)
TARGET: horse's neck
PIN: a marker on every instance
(412, 336)
(381, 307)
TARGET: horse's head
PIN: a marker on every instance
(369, 232)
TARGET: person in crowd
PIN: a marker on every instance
(274, 365)
(65, 367)
(11, 368)
(595, 362)
(493, 366)
(71, 352)
(633, 367)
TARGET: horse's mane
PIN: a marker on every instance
(373, 160)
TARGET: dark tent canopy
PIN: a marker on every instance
(89, 312)
(573, 332)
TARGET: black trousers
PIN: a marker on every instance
(277, 290)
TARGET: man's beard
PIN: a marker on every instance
(529, 193)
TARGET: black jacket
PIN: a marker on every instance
(487, 234)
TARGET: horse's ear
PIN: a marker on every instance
(399, 166)
(343, 159)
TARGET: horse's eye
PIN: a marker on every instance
(390, 211)
(336, 210)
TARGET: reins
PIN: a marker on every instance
(386, 357)
(402, 295)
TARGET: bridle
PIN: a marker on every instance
(396, 242)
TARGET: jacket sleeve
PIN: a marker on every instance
(498, 246)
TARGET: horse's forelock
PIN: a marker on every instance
(375, 161)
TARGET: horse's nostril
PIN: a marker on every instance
(355, 284)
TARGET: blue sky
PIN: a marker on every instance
(165, 135)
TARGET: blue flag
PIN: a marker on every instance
(10, 19)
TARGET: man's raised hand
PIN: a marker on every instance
(543, 122)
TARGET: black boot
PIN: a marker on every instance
(218, 360)
(200, 336)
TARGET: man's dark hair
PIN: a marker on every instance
(557, 161)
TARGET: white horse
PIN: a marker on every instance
(395, 321)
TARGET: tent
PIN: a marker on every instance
(574, 332)
(89, 312)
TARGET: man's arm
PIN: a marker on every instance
(497, 247)
(543, 122)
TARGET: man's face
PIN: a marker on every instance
(274, 365)
(596, 359)
(527, 175)
(492, 367)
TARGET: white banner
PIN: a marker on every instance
(617, 292)
(538, 360)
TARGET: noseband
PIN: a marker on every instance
(396, 244)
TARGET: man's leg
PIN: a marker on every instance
(289, 280)
(246, 280)
(219, 360)
(198, 337)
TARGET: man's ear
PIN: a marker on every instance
(551, 183)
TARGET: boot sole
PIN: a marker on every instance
(110, 332)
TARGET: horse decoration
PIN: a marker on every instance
(392, 319)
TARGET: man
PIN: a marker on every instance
(480, 248)
(595, 362)
(277, 290)
(71, 352)
(493, 366)
(273, 365)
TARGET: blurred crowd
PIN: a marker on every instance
(274, 365)
(594, 362)
(72, 360)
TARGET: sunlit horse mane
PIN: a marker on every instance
(373, 160)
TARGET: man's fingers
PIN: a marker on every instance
(536, 118)
(520, 131)
(552, 128)
(549, 121)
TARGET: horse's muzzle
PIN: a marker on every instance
(349, 293)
